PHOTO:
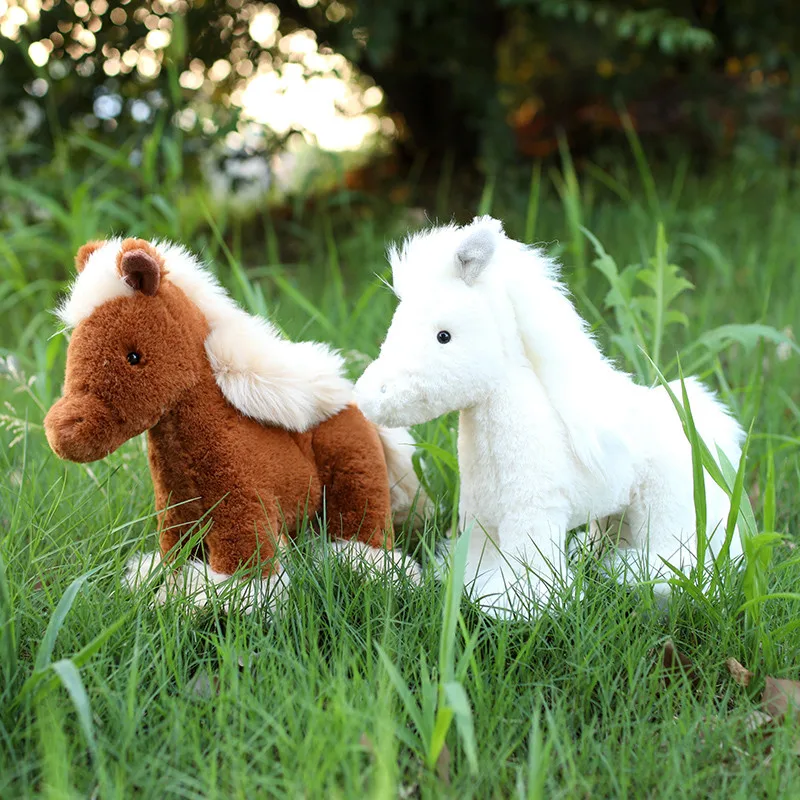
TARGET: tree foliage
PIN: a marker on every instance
(493, 78)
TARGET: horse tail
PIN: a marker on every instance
(407, 494)
(713, 420)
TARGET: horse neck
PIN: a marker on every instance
(187, 427)
(515, 409)
(202, 403)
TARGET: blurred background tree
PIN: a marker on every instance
(466, 75)
(483, 82)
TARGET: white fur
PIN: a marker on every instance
(362, 558)
(197, 582)
(551, 435)
(139, 569)
(294, 385)
(98, 283)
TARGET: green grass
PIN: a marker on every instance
(360, 688)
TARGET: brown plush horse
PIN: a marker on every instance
(244, 426)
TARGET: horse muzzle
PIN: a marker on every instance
(82, 428)
(390, 400)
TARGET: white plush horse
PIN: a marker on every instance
(551, 434)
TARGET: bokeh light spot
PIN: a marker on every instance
(220, 70)
(38, 53)
(147, 65)
(157, 39)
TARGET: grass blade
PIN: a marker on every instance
(769, 493)
(457, 700)
(71, 679)
(698, 481)
(45, 652)
(737, 494)
(43, 680)
(532, 209)
(454, 591)
(538, 757)
(8, 640)
(410, 705)
(487, 195)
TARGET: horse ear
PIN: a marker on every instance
(476, 250)
(84, 252)
(140, 265)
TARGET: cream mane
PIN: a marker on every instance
(295, 385)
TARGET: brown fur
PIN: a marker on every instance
(205, 456)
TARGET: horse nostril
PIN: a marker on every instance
(383, 389)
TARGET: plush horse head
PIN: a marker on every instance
(453, 329)
(149, 324)
(475, 307)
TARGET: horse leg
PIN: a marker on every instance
(245, 533)
(172, 534)
(176, 523)
(532, 562)
(610, 531)
(352, 470)
(661, 523)
(240, 537)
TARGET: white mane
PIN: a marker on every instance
(578, 378)
(295, 385)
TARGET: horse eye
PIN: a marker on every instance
(134, 359)
(443, 337)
